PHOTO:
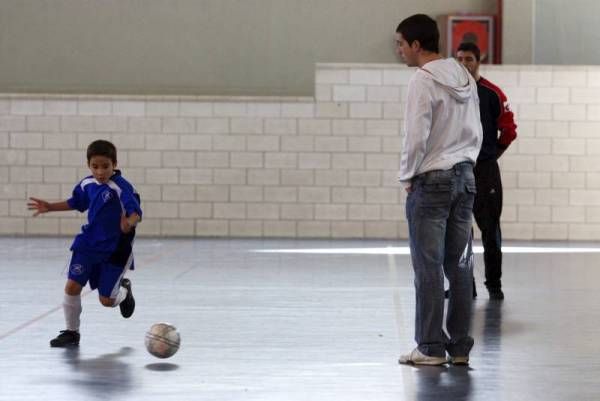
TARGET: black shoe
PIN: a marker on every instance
(66, 338)
(496, 293)
(127, 306)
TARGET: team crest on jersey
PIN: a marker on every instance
(106, 195)
(76, 269)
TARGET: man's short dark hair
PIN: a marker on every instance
(423, 28)
(470, 47)
(102, 148)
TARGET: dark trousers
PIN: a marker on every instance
(487, 210)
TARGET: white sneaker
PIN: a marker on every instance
(416, 357)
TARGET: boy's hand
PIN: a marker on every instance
(39, 205)
(129, 223)
(125, 226)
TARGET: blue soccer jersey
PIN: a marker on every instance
(105, 204)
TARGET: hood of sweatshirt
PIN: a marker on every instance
(451, 76)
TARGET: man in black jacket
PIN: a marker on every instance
(496, 117)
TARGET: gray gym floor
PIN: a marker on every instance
(296, 325)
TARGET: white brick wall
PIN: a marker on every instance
(299, 167)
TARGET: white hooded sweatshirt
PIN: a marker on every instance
(442, 123)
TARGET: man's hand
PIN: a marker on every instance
(40, 206)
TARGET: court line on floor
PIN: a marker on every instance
(405, 250)
(408, 384)
(148, 260)
(36, 319)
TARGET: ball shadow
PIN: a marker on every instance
(162, 366)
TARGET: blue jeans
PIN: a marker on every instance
(439, 213)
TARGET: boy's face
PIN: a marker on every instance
(102, 168)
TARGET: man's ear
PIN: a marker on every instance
(415, 45)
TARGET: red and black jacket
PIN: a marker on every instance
(495, 116)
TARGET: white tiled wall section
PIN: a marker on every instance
(289, 167)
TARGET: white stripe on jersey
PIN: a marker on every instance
(110, 183)
(88, 181)
(113, 185)
(118, 190)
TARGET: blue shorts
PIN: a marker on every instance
(96, 269)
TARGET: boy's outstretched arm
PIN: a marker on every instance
(41, 206)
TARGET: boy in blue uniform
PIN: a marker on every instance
(102, 252)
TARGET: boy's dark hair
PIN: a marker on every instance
(470, 47)
(423, 28)
(102, 148)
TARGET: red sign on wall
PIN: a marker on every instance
(478, 29)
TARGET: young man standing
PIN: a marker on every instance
(495, 116)
(442, 140)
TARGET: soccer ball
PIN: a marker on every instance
(162, 340)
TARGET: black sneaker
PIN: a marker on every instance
(496, 293)
(66, 338)
(127, 306)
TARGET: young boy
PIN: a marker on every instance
(102, 252)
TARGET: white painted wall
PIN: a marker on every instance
(199, 47)
(518, 31)
(299, 167)
(565, 32)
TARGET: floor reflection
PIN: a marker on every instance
(454, 382)
(103, 375)
(492, 328)
(296, 327)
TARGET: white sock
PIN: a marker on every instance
(120, 296)
(72, 309)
